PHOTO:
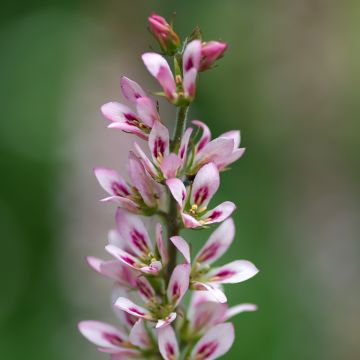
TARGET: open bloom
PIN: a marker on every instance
(213, 344)
(160, 69)
(160, 311)
(163, 32)
(142, 196)
(141, 255)
(113, 340)
(193, 202)
(123, 118)
(222, 151)
(203, 276)
(210, 52)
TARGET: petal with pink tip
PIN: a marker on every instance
(184, 145)
(233, 134)
(139, 336)
(131, 308)
(111, 181)
(192, 56)
(216, 151)
(177, 189)
(149, 190)
(216, 342)
(159, 142)
(206, 315)
(190, 222)
(131, 89)
(161, 245)
(234, 272)
(165, 322)
(234, 156)
(217, 244)
(145, 289)
(146, 110)
(182, 246)
(160, 69)
(205, 185)
(170, 165)
(178, 283)
(217, 294)
(111, 269)
(189, 83)
(147, 163)
(205, 136)
(117, 112)
(238, 309)
(219, 213)
(102, 334)
(168, 345)
(133, 231)
(131, 129)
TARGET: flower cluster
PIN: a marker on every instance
(174, 180)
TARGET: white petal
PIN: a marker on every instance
(182, 246)
(168, 344)
(219, 213)
(102, 334)
(147, 111)
(161, 245)
(177, 189)
(139, 335)
(238, 309)
(234, 272)
(215, 343)
(111, 181)
(159, 141)
(178, 283)
(165, 322)
(131, 89)
(131, 308)
(214, 291)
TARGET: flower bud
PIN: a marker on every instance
(210, 52)
(163, 32)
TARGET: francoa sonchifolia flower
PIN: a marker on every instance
(173, 180)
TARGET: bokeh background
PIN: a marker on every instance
(290, 81)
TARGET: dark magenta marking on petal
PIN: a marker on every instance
(139, 241)
(159, 147)
(119, 189)
(189, 64)
(215, 215)
(113, 339)
(182, 152)
(176, 290)
(130, 117)
(128, 260)
(225, 273)
(144, 289)
(136, 311)
(209, 252)
(183, 195)
(206, 350)
(130, 319)
(170, 351)
(201, 195)
(202, 143)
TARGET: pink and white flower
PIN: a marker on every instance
(162, 313)
(222, 151)
(137, 122)
(142, 196)
(194, 201)
(212, 344)
(160, 69)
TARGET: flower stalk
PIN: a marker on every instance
(154, 270)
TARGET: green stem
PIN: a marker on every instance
(173, 224)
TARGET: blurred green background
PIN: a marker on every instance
(290, 81)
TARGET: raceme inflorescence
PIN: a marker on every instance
(171, 179)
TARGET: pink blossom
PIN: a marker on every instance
(210, 52)
(142, 196)
(165, 312)
(124, 118)
(193, 204)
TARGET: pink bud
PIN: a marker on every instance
(163, 32)
(210, 52)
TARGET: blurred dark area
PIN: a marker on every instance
(290, 81)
